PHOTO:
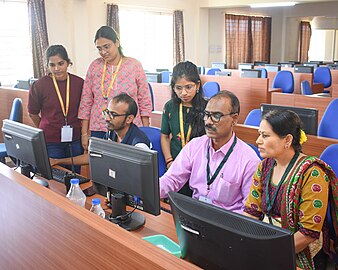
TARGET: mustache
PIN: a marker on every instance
(211, 127)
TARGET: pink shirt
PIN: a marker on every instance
(232, 185)
(130, 79)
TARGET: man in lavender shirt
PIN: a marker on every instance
(218, 165)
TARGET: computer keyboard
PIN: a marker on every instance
(58, 175)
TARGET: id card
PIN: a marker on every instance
(66, 134)
(205, 199)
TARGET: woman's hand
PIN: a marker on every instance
(85, 141)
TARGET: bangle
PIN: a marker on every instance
(168, 161)
(169, 158)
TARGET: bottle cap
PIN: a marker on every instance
(96, 201)
(74, 181)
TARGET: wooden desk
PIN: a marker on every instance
(302, 101)
(41, 229)
(315, 145)
(251, 92)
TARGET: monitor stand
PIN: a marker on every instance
(128, 221)
(26, 171)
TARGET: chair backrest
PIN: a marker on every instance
(210, 89)
(264, 73)
(165, 76)
(154, 135)
(152, 96)
(330, 156)
(323, 75)
(16, 111)
(253, 118)
(328, 126)
(305, 88)
(284, 79)
(212, 71)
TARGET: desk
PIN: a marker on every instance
(41, 229)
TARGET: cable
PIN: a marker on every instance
(124, 217)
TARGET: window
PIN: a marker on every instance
(15, 49)
(148, 37)
(323, 45)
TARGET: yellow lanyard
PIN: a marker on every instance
(183, 139)
(65, 111)
(105, 96)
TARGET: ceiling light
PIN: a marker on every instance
(280, 4)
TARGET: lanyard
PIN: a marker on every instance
(65, 111)
(220, 166)
(269, 203)
(106, 95)
(183, 139)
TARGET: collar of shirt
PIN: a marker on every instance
(224, 149)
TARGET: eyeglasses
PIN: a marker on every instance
(105, 47)
(215, 117)
(188, 88)
(111, 114)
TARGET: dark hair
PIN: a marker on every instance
(189, 71)
(108, 33)
(57, 50)
(125, 98)
(235, 107)
(284, 122)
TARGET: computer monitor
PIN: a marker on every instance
(272, 67)
(220, 65)
(27, 145)
(309, 116)
(303, 68)
(245, 66)
(286, 64)
(130, 174)
(311, 64)
(161, 69)
(215, 238)
(23, 84)
(251, 73)
(333, 66)
(260, 63)
(223, 73)
(154, 77)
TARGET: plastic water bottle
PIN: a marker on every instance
(75, 193)
(96, 208)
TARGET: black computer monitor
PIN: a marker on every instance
(286, 64)
(303, 68)
(245, 66)
(215, 238)
(130, 174)
(272, 67)
(27, 145)
(309, 116)
(154, 77)
(311, 64)
(250, 73)
(220, 65)
(260, 63)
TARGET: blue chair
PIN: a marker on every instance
(284, 79)
(305, 88)
(323, 75)
(154, 135)
(212, 71)
(255, 148)
(264, 72)
(152, 96)
(15, 115)
(328, 126)
(165, 76)
(253, 118)
(210, 89)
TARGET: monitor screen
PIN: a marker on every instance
(303, 68)
(154, 77)
(130, 174)
(215, 238)
(27, 145)
(286, 64)
(219, 65)
(311, 64)
(308, 116)
(272, 67)
(260, 63)
(223, 73)
(245, 66)
(251, 73)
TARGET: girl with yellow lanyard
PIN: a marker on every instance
(182, 117)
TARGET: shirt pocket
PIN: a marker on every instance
(227, 192)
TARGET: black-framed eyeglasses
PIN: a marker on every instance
(215, 117)
(111, 114)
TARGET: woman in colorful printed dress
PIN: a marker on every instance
(290, 188)
(182, 117)
(108, 76)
